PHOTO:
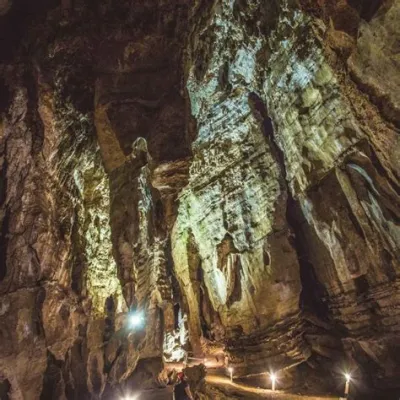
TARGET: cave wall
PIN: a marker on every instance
(57, 269)
(233, 160)
(300, 192)
(233, 217)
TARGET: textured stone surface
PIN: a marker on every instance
(228, 168)
(231, 244)
(57, 268)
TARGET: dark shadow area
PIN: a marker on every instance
(35, 121)
(177, 309)
(4, 222)
(361, 284)
(5, 388)
(15, 23)
(5, 95)
(109, 322)
(3, 246)
(75, 373)
(388, 267)
(313, 293)
(53, 379)
(367, 8)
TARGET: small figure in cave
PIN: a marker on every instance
(182, 389)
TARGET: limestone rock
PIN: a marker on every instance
(227, 169)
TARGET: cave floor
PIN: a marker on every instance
(221, 389)
(239, 391)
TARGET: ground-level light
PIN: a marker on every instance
(131, 397)
(230, 369)
(272, 376)
(347, 386)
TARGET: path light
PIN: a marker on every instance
(347, 387)
(136, 319)
(230, 369)
(272, 376)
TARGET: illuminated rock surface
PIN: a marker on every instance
(228, 168)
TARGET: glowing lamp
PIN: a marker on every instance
(136, 319)
(347, 386)
(230, 369)
(272, 376)
(132, 397)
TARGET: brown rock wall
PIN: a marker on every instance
(228, 168)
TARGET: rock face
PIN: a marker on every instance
(228, 169)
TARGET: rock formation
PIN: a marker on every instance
(229, 169)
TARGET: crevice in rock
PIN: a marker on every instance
(235, 291)
(382, 170)
(95, 374)
(109, 365)
(5, 96)
(5, 389)
(4, 245)
(176, 291)
(177, 310)
(385, 107)
(3, 180)
(208, 316)
(36, 122)
(5, 220)
(53, 382)
(37, 314)
(230, 265)
(387, 264)
(361, 284)
(313, 293)
(75, 372)
(109, 321)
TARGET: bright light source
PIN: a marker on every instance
(272, 376)
(347, 386)
(132, 397)
(136, 319)
(230, 369)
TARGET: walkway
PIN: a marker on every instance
(240, 391)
